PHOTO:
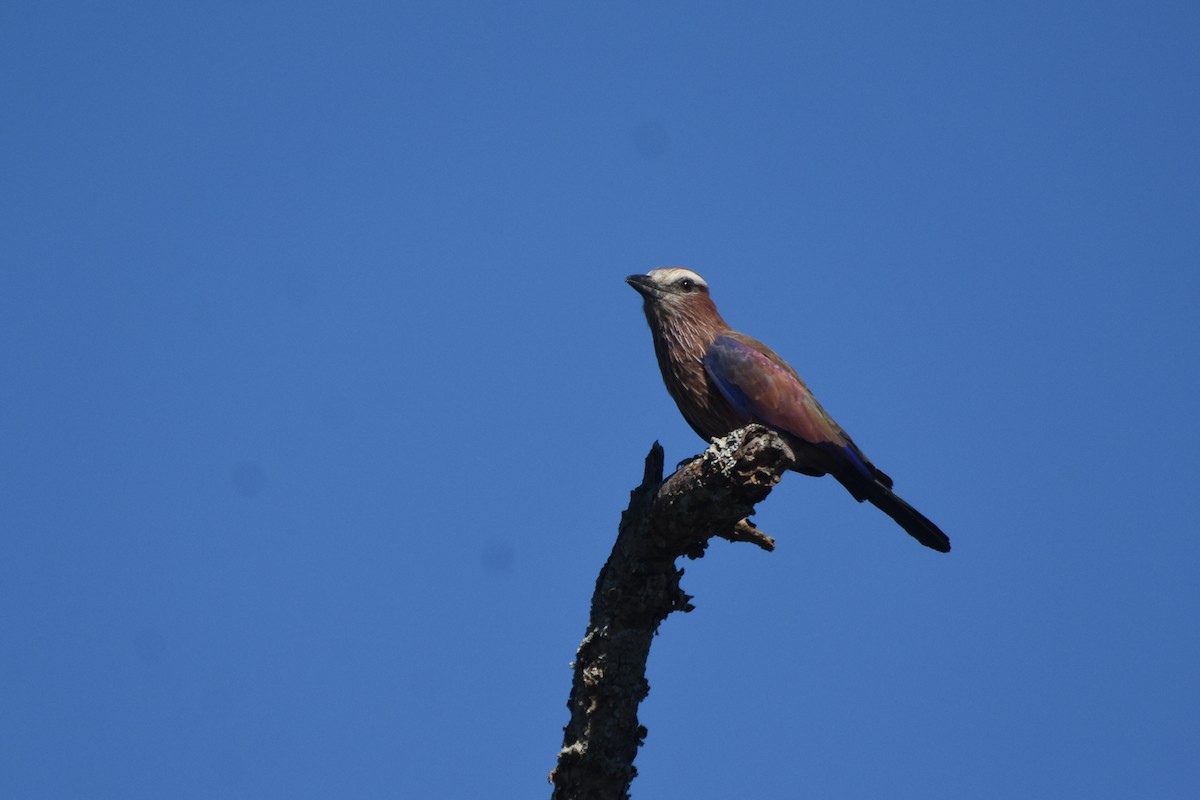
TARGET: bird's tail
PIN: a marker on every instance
(908, 518)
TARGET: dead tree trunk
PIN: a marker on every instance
(639, 586)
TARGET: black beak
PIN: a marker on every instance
(644, 285)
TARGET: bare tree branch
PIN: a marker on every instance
(638, 587)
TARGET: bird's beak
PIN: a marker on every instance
(644, 285)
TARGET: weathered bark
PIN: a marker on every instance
(639, 586)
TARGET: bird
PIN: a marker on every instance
(723, 380)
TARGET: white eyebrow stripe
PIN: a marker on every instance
(669, 275)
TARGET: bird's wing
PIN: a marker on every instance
(760, 384)
(766, 388)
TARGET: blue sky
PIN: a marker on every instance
(322, 392)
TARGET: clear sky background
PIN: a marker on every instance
(321, 392)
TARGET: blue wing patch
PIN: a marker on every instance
(723, 356)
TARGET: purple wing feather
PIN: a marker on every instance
(761, 385)
(767, 389)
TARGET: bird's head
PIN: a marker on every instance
(669, 286)
(677, 300)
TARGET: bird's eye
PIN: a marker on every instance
(687, 284)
